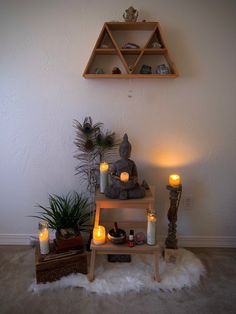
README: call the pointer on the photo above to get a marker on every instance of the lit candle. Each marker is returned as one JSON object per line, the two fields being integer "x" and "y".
{"x": 103, "y": 176}
{"x": 151, "y": 228}
{"x": 124, "y": 177}
{"x": 44, "y": 241}
{"x": 99, "y": 235}
{"x": 174, "y": 180}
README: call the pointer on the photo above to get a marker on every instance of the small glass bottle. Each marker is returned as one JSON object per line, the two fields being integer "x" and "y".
{"x": 131, "y": 242}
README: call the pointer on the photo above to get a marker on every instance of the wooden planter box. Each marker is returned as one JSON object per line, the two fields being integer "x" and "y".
{"x": 53, "y": 269}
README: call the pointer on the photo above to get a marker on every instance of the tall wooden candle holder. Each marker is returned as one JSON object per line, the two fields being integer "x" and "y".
{"x": 175, "y": 196}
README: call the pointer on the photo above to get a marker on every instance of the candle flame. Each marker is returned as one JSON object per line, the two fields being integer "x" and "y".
{"x": 104, "y": 166}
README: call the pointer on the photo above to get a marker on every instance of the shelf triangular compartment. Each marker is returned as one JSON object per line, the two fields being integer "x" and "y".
{"x": 131, "y": 58}
{"x": 105, "y": 41}
{"x": 155, "y": 62}
{"x": 110, "y": 51}
{"x": 156, "y": 40}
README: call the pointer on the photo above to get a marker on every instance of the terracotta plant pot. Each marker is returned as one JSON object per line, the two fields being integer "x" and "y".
{"x": 75, "y": 243}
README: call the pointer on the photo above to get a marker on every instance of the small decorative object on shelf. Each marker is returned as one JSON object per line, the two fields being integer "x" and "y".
{"x": 99, "y": 235}
{"x": 99, "y": 71}
{"x": 162, "y": 69}
{"x": 103, "y": 176}
{"x": 156, "y": 44}
{"x": 131, "y": 242}
{"x": 116, "y": 70}
{"x": 131, "y": 46}
{"x": 151, "y": 228}
{"x": 146, "y": 69}
{"x": 117, "y": 235}
{"x": 130, "y": 15}
{"x": 140, "y": 238}
{"x": 43, "y": 237}
{"x": 175, "y": 189}
{"x": 104, "y": 46}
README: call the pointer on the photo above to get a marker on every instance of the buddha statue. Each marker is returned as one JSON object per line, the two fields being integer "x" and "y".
{"x": 124, "y": 176}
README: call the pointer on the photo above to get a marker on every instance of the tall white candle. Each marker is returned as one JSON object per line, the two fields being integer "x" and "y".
{"x": 44, "y": 241}
{"x": 103, "y": 176}
{"x": 151, "y": 229}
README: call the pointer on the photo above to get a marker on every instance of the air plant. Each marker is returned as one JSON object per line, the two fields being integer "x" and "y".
{"x": 68, "y": 214}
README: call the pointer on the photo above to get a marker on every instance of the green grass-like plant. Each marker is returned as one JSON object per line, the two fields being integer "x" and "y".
{"x": 66, "y": 212}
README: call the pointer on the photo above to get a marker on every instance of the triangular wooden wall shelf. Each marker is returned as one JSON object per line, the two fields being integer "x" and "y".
{"x": 109, "y": 51}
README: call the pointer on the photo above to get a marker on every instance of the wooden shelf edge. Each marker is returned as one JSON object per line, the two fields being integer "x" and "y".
{"x": 129, "y": 76}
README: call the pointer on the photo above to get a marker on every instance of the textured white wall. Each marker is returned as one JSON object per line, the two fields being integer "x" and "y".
{"x": 186, "y": 125}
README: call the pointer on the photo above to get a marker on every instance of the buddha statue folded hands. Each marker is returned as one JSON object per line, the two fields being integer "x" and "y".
{"x": 124, "y": 176}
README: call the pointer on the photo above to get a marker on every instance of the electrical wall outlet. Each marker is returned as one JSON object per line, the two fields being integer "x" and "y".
{"x": 187, "y": 202}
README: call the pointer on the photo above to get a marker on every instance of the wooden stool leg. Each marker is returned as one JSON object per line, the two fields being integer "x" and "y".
{"x": 92, "y": 264}
{"x": 156, "y": 267}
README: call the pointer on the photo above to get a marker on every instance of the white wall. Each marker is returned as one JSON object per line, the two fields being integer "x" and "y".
{"x": 186, "y": 125}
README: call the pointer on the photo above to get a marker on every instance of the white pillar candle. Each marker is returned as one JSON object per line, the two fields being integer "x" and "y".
{"x": 151, "y": 229}
{"x": 44, "y": 241}
{"x": 103, "y": 176}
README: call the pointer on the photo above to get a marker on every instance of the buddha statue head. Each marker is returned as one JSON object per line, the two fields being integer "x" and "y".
{"x": 125, "y": 147}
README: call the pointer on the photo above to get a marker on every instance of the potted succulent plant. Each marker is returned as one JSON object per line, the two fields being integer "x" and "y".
{"x": 68, "y": 216}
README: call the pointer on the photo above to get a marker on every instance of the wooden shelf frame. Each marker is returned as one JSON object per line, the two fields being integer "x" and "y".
{"x": 146, "y": 203}
{"x": 121, "y": 53}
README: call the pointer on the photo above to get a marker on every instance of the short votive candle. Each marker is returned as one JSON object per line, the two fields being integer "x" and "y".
{"x": 174, "y": 180}
{"x": 124, "y": 177}
{"x": 99, "y": 235}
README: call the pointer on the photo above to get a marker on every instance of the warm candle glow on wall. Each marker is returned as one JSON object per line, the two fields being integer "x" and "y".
{"x": 99, "y": 235}
{"x": 124, "y": 176}
{"x": 174, "y": 180}
{"x": 173, "y": 153}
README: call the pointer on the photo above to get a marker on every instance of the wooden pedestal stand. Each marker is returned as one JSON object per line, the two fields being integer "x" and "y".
{"x": 171, "y": 252}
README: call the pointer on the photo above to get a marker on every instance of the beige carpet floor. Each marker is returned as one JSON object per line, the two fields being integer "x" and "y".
{"x": 215, "y": 294}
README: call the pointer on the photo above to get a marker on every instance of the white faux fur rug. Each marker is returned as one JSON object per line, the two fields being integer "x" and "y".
{"x": 119, "y": 278}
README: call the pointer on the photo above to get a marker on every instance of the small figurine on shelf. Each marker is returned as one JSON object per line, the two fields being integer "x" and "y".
{"x": 116, "y": 70}
{"x": 162, "y": 69}
{"x": 130, "y": 15}
{"x": 156, "y": 44}
{"x": 99, "y": 71}
{"x": 146, "y": 69}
